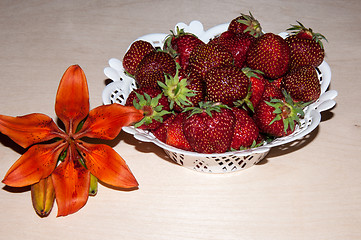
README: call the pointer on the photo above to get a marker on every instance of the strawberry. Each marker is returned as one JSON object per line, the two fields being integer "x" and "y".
{"x": 154, "y": 105}
{"x": 236, "y": 44}
{"x": 180, "y": 45}
{"x": 135, "y": 54}
{"x": 278, "y": 117}
{"x": 245, "y": 24}
{"x": 276, "y": 82}
{"x": 270, "y": 54}
{"x": 161, "y": 131}
{"x": 175, "y": 136}
{"x": 306, "y": 46}
{"x": 257, "y": 88}
{"x": 209, "y": 127}
{"x": 196, "y": 84}
{"x": 272, "y": 89}
{"x": 246, "y": 131}
{"x": 153, "y": 67}
{"x": 226, "y": 84}
{"x": 183, "y": 90}
{"x": 207, "y": 56}
{"x": 302, "y": 84}
{"x": 255, "y": 91}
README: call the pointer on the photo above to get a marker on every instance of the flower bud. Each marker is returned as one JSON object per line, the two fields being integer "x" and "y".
{"x": 93, "y": 186}
{"x": 43, "y": 195}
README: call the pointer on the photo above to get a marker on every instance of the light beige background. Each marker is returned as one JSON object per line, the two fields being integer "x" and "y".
{"x": 308, "y": 191}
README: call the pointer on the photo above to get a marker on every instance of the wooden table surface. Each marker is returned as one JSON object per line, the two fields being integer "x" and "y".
{"x": 310, "y": 191}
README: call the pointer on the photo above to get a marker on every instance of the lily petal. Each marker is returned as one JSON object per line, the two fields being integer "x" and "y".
{"x": 72, "y": 99}
{"x": 71, "y": 183}
{"x": 107, "y": 165}
{"x": 105, "y": 122}
{"x": 37, "y": 163}
{"x": 29, "y": 129}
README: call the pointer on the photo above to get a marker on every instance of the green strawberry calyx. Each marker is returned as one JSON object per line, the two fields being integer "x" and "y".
{"x": 151, "y": 109}
{"x": 175, "y": 88}
{"x": 287, "y": 110}
{"x": 307, "y": 33}
{"x": 207, "y": 107}
{"x": 254, "y": 27}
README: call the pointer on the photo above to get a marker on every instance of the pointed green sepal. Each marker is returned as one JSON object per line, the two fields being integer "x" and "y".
{"x": 207, "y": 107}
{"x": 287, "y": 110}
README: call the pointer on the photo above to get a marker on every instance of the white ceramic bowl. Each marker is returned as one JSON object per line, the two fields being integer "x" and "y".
{"x": 118, "y": 91}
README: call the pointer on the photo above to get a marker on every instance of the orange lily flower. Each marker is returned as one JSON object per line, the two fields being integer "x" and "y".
{"x": 62, "y": 161}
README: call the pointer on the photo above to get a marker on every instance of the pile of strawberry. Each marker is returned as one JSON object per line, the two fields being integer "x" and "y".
{"x": 242, "y": 88}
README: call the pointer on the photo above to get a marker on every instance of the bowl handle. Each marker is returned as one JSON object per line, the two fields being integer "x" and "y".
{"x": 325, "y": 101}
{"x": 144, "y": 137}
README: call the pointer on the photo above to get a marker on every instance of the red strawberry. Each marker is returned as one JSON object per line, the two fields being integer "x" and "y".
{"x": 302, "y": 84}
{"x": 197, "y": 85}
{"x": 180, "y": 45}
{"x": 209, "y": 128}
{"x": 213, "y": 40}
{"x": 226, "y": 84}
{"x": 272, "y": 90}
{"x": 161, "y": 131}
{"x": 278, "y": 117}
{"x": 256, "y": 89}
{"x": 276, "y": 82}
{"x": 246, "y": 24}
{"x": 237, "y": 44}
{"x": 306, "y": 47}
{"x": 246, "y": 131}
{"x": 154, "y": 105}
{"x": 207, "y": 56}
{"x": 153, "y": 67}
{"x": 135, "y": 54}
{"x": 270, "y": 54}
{"x": 175, "y": 136}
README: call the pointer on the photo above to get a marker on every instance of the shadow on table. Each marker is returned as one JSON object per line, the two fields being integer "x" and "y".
{"x": 7, "y": 142}
{"x": 145, "y": 147}
{"x": 297, "y": 144}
